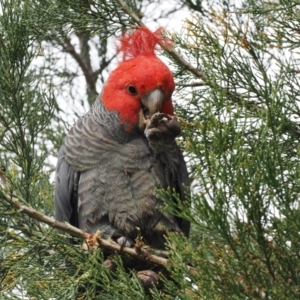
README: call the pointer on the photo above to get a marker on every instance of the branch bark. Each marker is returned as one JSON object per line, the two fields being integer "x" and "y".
{"x": 139, "y": 253}
{"x": 84, "y": 64}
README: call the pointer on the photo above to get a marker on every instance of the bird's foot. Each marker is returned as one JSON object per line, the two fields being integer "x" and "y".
{"x": 160, "y": 128}
{"x": 110, "y": 264}
{"x": 148, "y": 278}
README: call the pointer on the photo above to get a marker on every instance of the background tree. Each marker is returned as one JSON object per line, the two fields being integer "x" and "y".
{"x": 236, "y": 68}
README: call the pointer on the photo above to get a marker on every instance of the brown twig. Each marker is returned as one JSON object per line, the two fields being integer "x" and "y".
{"x": 193, "y": 84}
{"x": 34, "y": 214}
{"x": 141, "y": 254}
{"x": 2, "y": 175}
{"x": 85, "y": 66}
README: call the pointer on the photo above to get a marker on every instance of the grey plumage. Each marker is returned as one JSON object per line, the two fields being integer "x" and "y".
{"x": 117, "y": 174}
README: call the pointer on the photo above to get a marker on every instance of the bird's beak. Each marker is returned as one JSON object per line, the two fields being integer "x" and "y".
{"x": 151, "y": 104}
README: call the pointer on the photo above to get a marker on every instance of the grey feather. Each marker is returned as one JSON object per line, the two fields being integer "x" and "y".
{"x": 66, "y": 181}
{"x": 119, "y": 174}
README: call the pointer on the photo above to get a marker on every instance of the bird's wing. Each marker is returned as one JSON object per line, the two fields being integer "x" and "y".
{"x": 182, "y": 188}
{"x": 175, "y": 169}
{"x": 80, "y": 152}
{"x": 65, "y": 197}
{"x": 86, "y": 148}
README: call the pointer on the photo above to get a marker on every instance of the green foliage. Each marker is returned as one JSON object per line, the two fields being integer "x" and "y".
{"x": 240, "y": 135}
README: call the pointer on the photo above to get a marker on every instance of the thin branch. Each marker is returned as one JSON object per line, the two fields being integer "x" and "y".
{"x": 2, "y": 175}
{"x": 34, "y": 214}
{"x": 104, "y": 64}
{"x": 87, "y": 70}
{"x": 92, "y": 239}
{"x": 137, "y": 252}
{"x": 193, "y": 84}
{"x": 85, "y": 56}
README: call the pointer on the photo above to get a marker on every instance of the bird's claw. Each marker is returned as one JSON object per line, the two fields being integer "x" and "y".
{"x": 148, "y": 278}
{"x": 161, "y": 128}
{"x": 110, "y": 264}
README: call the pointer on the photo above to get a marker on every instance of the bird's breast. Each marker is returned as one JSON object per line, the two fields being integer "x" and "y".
{"x": 123, "y": 189}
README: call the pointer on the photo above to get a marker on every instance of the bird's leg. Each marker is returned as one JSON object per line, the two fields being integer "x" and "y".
{"x": 110, "y": 264}
{"x": 139, "y": 240}
{"x": 160, "y": 129}
{"x": 148, "y": 278}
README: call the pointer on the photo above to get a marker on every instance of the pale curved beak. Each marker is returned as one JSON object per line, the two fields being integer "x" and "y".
{"x": 152, "y": 103}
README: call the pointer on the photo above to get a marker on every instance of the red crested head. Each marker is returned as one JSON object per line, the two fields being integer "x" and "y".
{"x": 140, "y": 75}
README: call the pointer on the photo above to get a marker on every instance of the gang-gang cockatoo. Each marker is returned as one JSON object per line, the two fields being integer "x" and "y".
{"x": 115, "y": 158}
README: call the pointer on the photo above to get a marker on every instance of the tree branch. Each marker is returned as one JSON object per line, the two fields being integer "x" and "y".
{"x": 193, "y": 84}
{"x": 34, "y": 214}
{"x": 84, "y": 65}
{"x": 2, "y": 175}
{"x": 139, "y": 253}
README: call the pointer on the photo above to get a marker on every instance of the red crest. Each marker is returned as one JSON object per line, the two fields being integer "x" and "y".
{"x": 142, "y": 41}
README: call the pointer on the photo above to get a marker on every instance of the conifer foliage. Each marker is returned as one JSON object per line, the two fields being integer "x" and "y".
{"x": 236, "y": 69}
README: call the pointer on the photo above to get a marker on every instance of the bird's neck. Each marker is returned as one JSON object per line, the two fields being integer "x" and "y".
{"x": 111, "y": 121}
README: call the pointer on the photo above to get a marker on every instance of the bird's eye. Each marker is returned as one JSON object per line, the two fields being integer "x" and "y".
{"x": 132, "y": 90}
